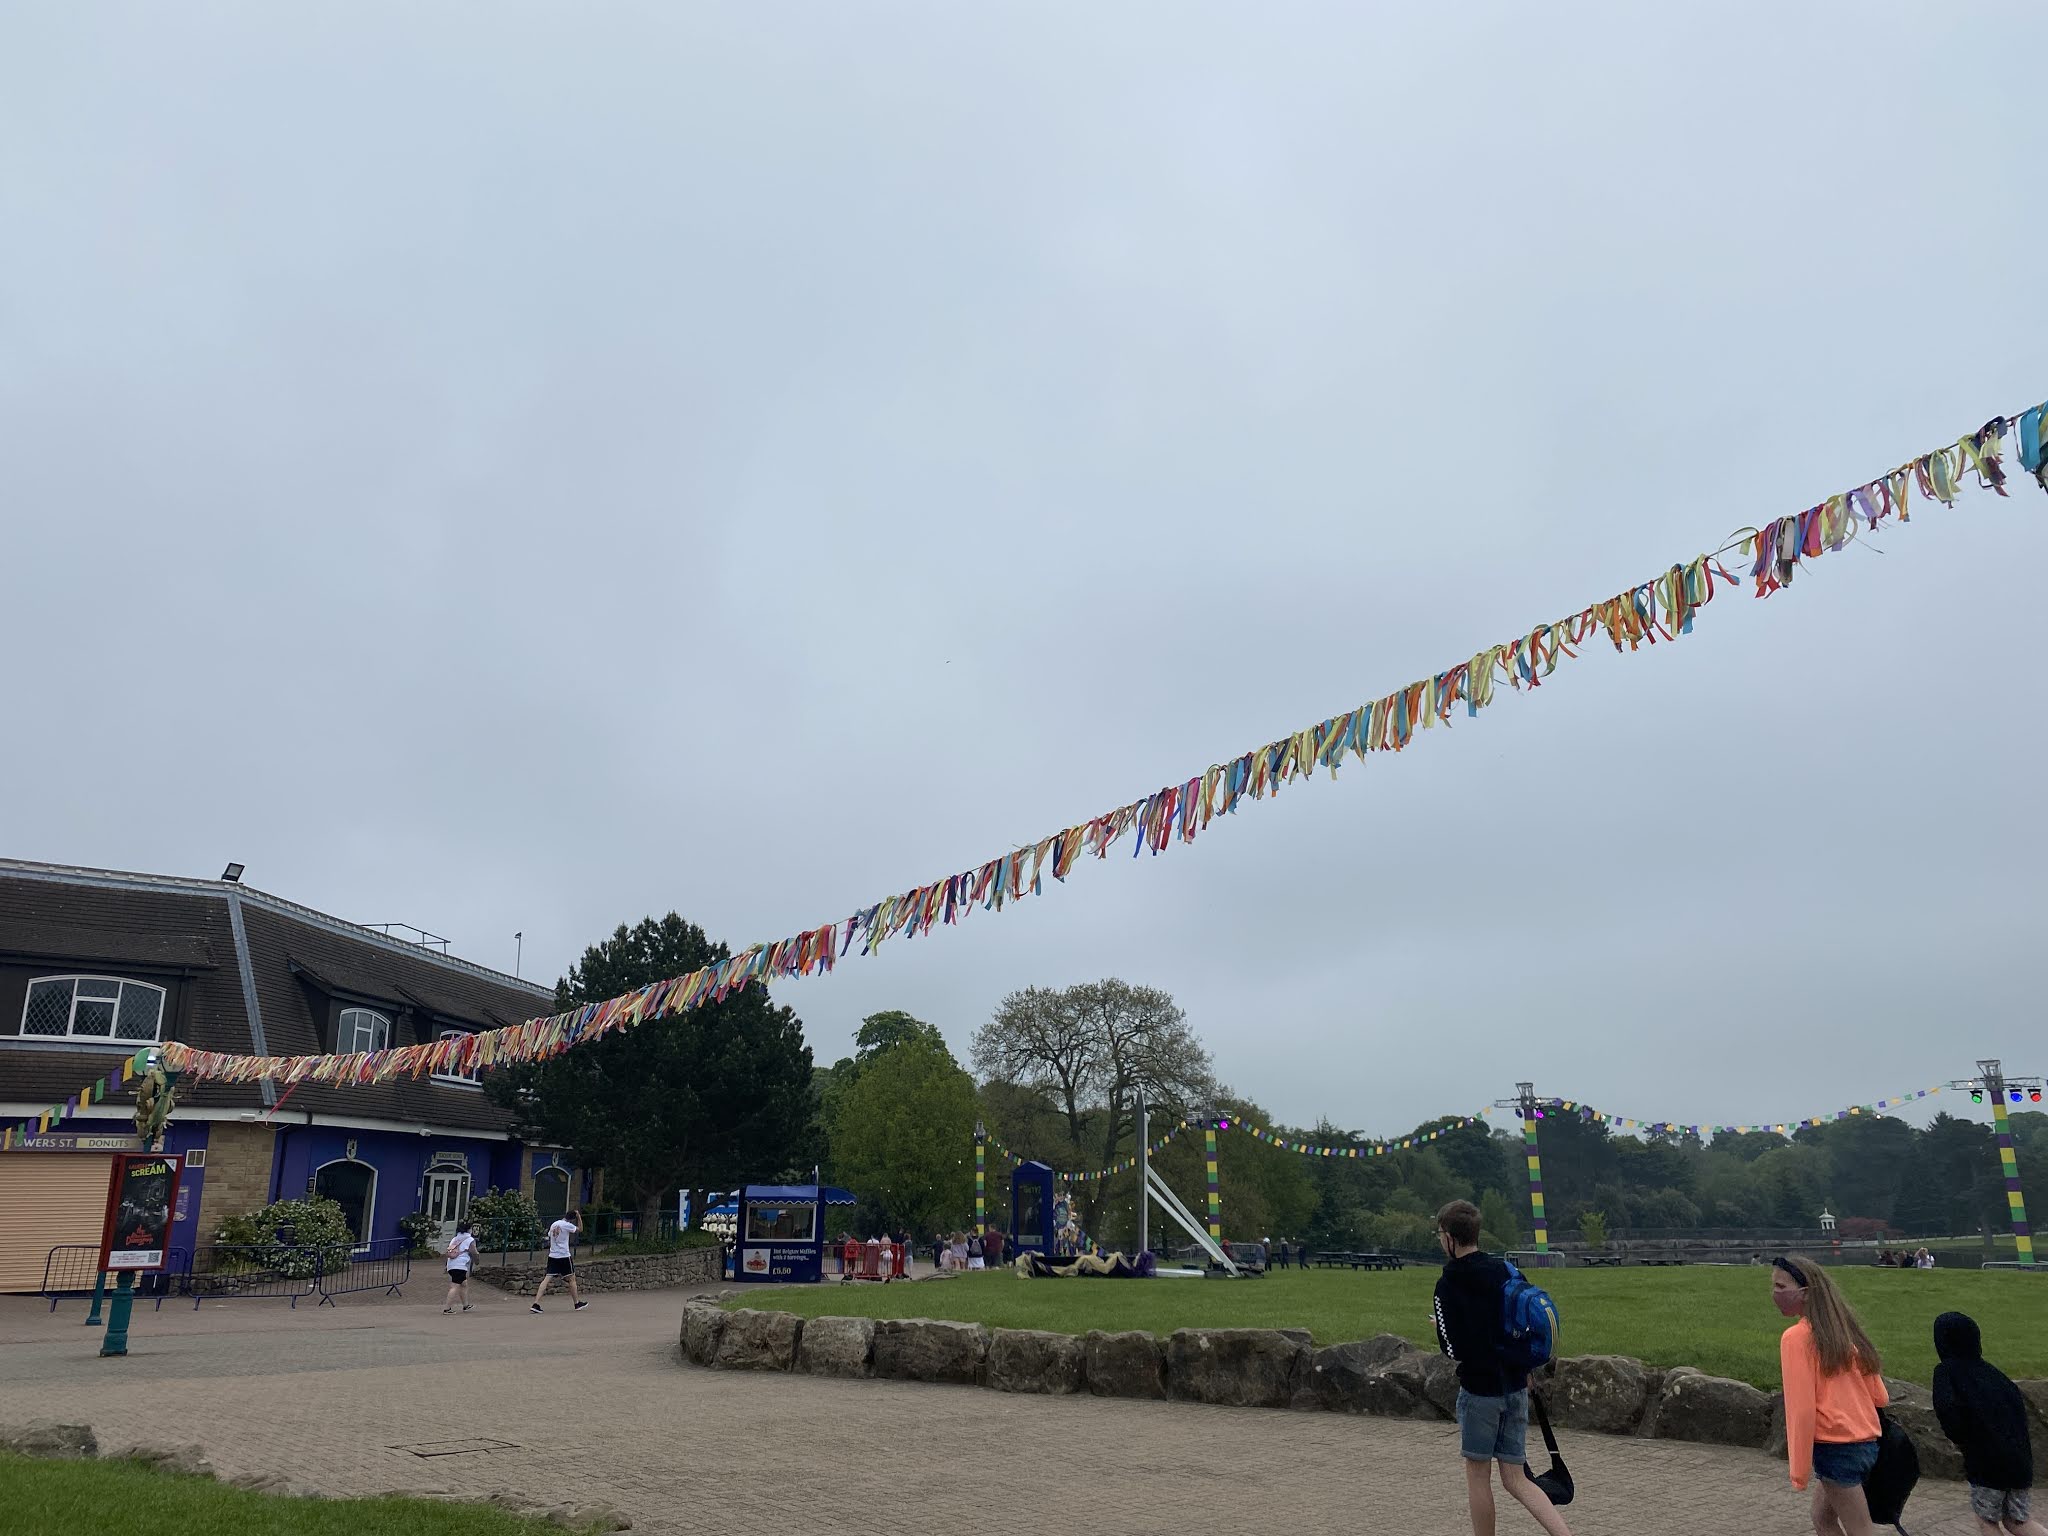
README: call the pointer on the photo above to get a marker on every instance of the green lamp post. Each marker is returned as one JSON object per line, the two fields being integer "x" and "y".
{"x": 154, "y": 1096}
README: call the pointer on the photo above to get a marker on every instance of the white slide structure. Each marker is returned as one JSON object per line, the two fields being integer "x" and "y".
{"x": 1170, "y": 1202}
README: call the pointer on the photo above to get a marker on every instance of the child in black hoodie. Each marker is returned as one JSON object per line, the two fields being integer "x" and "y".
{"x": 1983, "y": 1413}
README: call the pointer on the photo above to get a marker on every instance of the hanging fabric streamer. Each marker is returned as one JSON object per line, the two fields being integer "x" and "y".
{"x": 1658, "y": 610}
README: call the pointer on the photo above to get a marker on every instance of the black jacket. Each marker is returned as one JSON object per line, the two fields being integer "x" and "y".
{"x": 1979, "y": 1408}
{"x": 1468, "y": 1318}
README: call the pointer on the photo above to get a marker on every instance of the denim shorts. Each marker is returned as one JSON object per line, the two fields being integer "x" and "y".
{"x": 1493, "y": 1428}
{"x": 1845, "y": 1464}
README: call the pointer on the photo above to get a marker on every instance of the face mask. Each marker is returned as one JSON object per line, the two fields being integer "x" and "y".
{"x": 1789, "y": 1301}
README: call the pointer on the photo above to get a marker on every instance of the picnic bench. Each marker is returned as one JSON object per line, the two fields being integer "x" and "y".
{"x": 1601, "y": 1260}
{"x": 1337, "y": 1260}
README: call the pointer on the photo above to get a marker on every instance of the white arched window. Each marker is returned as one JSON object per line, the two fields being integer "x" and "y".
{"x": 92, "y": 1008}
{"x": 361, "y": 1029}
{"x": 455, "y": 1074}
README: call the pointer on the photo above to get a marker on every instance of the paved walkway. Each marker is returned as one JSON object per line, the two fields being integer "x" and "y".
{"x": 595, "y": 1405}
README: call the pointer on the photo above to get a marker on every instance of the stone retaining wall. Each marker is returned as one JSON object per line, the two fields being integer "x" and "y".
{"x": 630, "y": 1272}
{"x": 1280, "y": 1368}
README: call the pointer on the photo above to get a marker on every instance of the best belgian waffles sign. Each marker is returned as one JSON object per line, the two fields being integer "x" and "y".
{"x": 141, "y": 1197}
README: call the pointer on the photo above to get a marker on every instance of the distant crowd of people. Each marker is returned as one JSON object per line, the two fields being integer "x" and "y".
{"x": 967, "y": 1250}
{"x": 886, "y": 1257}
{"x": 1889, "y": 1258}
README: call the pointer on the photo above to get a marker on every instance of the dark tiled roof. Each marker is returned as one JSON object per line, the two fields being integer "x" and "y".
{"x": 173, "y": 924}
{"x": 44, "y": 940}
{"x": 154, "y": 927}
{"x": 336, "y": 962}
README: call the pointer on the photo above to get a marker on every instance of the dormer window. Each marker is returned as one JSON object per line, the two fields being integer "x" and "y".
{"x": 361, "y": 1030}
{"x": 456, "y": 1074}
{"x": 103, "y": 1008}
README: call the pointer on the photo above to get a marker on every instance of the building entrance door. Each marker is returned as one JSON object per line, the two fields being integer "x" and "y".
{"x": 447, "y": 1198}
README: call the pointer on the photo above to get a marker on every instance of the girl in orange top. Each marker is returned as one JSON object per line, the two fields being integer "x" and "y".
{"x": 1833, "y": 1390}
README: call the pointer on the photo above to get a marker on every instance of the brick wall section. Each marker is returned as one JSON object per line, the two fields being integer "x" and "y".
{"x": 237, "y": 1173}
{"x": 638, "y": 1272}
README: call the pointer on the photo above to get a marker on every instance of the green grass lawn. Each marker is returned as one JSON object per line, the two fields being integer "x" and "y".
{"x": 1720, "y": 1320}
{"x": 118, "y": 1498}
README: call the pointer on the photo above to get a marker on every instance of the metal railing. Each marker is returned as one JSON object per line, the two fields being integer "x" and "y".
{"x": 255, "y": 1272}
{"x": 284, "y": 1271}
{"x": 384, "y": 1265}
{"x": 73, "y": 1270}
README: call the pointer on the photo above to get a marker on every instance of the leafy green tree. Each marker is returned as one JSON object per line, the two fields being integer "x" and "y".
{"x": 1593, "y": 1228}
{"x": 903, "y": 1136}
{"x": 880, "y": 1032}
{"x": 1960, "y": 1157}
{"x": 1501, "y": 1219}
{"x": 712, "y": 1097}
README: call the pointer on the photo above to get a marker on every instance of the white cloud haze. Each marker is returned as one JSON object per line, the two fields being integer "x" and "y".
{"x": 525, "y": 467}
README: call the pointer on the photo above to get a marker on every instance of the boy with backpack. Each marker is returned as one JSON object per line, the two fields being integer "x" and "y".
{"x": 1472, "y": 1299}
{"x": 1983, "y": 1413}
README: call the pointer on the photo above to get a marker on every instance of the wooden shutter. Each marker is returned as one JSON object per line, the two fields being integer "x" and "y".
{"x": 47, "y": 1198}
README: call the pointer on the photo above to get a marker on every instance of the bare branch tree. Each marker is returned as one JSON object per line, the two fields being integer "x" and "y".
{"x": 1038, "y": 1038}
{"x": 1098, "y": 1050}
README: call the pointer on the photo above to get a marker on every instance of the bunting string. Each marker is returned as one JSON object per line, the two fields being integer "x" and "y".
{"x": 1348, "y": 1149}
{"x": 1586, "y": 1112}
{"x": 1659, "y": 609}
{"x": 1121, "y": 1165}
{"x": 19, "y": 1133}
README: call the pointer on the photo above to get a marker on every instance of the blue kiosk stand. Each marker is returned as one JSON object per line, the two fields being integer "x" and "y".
{"x": 1031, "y": 1209}
{"x": 779, "y": 1231}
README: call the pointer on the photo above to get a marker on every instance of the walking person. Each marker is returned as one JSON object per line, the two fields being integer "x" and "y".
{"x": 1493, "y": 1398}
{"x": 461, "y": 1255}
{"x": 561, "y": 1245}
{"x": 977, "y": 1255}
{"x": 1833, "y": 1389}
{"x": 1983, "y": 1413}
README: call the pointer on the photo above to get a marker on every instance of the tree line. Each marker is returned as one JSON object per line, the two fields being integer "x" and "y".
{"x": 729, "y": 1093}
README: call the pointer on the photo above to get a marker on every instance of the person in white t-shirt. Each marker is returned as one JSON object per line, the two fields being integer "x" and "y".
{"x": 561, "y": 1243}
{"x": 461, "y": 1255}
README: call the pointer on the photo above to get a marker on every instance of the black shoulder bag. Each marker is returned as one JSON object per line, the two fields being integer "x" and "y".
{"x": 1557, "y": 1482}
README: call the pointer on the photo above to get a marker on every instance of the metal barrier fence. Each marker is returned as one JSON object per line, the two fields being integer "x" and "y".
{"x": 284, "y": 1271}
{"x": 72, "y": 1269}
{"x": 505, "y": 1241}
{"x": 384, "y": 1265}
{"x": 256, "y": 1272}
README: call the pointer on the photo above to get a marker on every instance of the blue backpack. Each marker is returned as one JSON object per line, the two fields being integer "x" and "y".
{"x": 1528, "y": 1323}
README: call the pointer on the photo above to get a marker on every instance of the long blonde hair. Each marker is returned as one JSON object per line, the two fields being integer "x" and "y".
{"x": 1838, "y": 1338}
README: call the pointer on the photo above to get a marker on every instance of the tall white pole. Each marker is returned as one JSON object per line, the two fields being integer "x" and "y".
{"x": 1144, "y": 1173}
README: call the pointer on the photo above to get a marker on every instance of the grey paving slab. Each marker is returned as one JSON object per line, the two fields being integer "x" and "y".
{"x": 595, "y": 1405}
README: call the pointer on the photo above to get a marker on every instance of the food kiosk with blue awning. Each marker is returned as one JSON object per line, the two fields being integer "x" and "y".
{"x": 780, "y": 1231}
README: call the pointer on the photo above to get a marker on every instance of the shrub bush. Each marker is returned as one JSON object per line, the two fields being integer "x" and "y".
{"x": 320, "y": 1239}
{"x": 506, "y": 1218}
{"x": 422, "y": 1231}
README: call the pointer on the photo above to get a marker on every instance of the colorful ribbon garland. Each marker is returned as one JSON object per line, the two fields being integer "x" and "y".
{"x": 1661, "y": 608}
{"x": 1780, "y": 1127}
{"x": 39, "y": 1125}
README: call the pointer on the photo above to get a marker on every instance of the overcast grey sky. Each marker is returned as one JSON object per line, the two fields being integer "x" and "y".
{"x": 524, "y": 467}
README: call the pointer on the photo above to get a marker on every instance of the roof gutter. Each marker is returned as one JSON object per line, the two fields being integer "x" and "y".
{"x": 249, "y": 1004}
